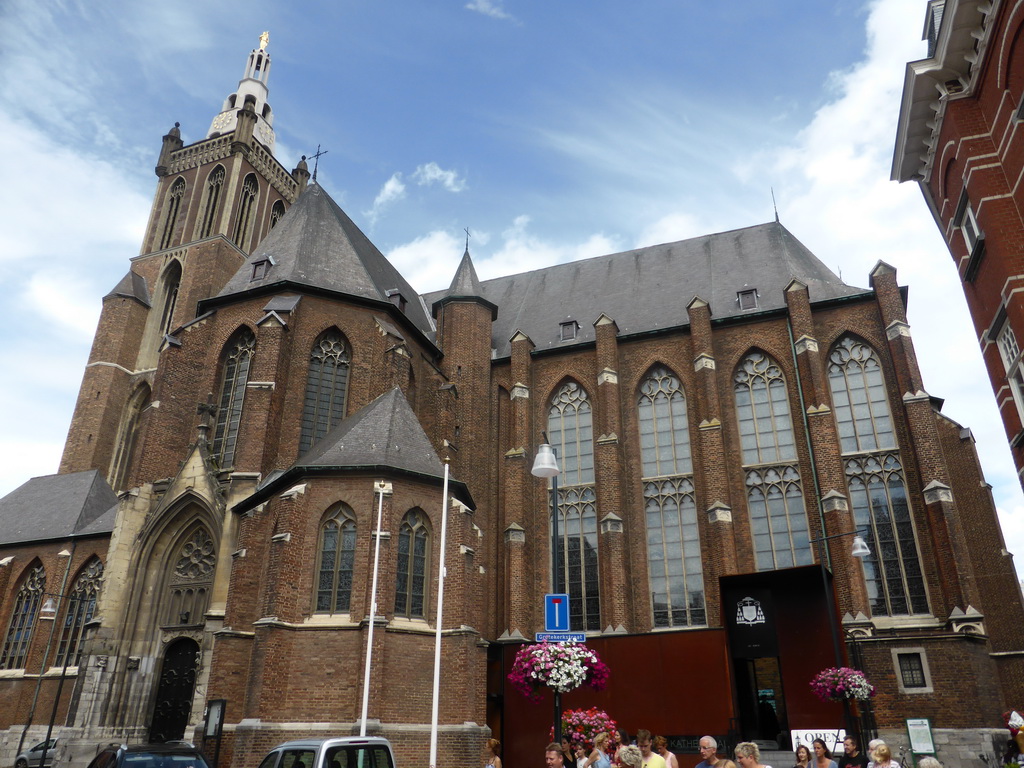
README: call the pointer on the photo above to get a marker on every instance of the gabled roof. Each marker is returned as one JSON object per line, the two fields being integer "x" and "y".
{"x": 316, "y": 244}
{"x": 131, "y": 286}
{"x": 647, "y": 289}
{"x": 384, "y": 436}
{"x": 58, "y": 507}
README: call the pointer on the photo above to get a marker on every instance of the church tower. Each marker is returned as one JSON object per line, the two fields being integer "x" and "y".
{"x": 215, "y": 201}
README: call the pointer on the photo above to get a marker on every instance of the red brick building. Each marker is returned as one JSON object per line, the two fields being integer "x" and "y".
{"x": 262, "y": 386}
{"x": 961, "y": 138}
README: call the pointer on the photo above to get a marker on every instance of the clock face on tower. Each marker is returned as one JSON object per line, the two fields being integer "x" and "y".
{"x": 222, "y": 121}
{"x": 265, "y": 133}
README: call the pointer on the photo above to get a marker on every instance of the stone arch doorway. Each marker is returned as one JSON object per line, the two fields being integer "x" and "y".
{"x": 175, "y": 690}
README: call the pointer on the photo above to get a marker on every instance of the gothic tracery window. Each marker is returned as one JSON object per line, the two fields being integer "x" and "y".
{"x": 214, "y": 187}
{"x": 236, "y": 361}
{"x": 171, "y": 215}
{"x": 875, "y": 478}
{"x": 673, "y": 542}
{"x": 169, "y": 296}
{"x": 412, "y": 566}
{"x": 23, "y": 619}
{"x": 276, "y": 213}
{"x": 326, "y": 388}
{"x": 570, "y": 430}
{"x": 337, "y": 560}
{"x": 81, "y": 605}
{"x": 246, "y": 209}
{"x": 775, "y": 502}
{"x": 191, "y": 578}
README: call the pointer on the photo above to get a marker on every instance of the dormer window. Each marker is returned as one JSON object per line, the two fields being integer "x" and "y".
{"x": 397, "y": 299}
{"x": 569, "y": 330}
{"x": 747, "y": 299}
{"x": 261, "y": 268}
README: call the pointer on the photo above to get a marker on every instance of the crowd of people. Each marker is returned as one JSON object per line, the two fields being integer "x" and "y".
{"x": 653, "y": 752}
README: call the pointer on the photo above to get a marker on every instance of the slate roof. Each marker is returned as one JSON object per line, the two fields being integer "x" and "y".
{"x": 648, "y": 288}
{"x": 316, "y": 244}
{"x": 383, "y": 436}
{"x": 465, "y": 285}
{"x": 58, "y": 507}
{"x": 131, "y": 286}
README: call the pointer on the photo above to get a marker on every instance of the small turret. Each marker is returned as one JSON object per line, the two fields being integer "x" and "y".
{"x": 172, "y": 142}
{"x": 251, "y": 94}
{"x": 301, "y": 173}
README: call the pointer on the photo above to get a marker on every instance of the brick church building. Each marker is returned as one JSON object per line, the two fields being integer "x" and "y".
{"x": 263, "y": 381}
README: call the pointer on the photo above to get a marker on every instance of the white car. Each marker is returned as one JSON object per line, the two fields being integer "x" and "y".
{"x": 33, "y": 756}
{"x": 338, "y": 752}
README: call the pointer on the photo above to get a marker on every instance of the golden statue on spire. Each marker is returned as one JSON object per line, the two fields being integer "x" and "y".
{"x": 264, "y": 39}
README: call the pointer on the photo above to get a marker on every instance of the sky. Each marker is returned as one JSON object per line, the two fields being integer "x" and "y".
{"x": 552, "y": 131}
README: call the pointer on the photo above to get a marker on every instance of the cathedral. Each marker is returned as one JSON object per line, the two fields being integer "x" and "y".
{"x": 729, "y": 418}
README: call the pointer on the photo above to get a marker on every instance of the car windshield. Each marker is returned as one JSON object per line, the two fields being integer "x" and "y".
{"x": 158, "y": 760}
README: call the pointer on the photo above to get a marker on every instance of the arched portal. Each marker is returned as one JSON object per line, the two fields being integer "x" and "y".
{"x": 175, "y": 690}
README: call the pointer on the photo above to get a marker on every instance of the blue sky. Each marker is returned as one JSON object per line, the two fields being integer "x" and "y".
{"x": 554, "y": 131}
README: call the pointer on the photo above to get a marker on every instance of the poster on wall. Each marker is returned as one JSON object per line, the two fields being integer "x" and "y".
{"x": 833, "y": 738}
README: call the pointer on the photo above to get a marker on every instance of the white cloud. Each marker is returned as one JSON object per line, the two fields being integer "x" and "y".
{"x": 393, "y": 189}
{"x": 432, "y": 173}
{"x": 490, "y": 8}
{"x": 429, "y": 262}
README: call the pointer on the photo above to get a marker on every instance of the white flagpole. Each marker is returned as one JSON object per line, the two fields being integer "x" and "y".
{"x": 440, "y": 614}
{"x": 373, "y": 610}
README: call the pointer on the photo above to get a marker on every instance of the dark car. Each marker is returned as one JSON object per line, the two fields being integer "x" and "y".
{"x": 175, "y": 754}
{"x": 33, "y": 756}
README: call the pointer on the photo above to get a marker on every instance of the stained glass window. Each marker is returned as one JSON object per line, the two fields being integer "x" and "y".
{"x": 413, "y": 552}
{"x": 23, "y": 619}
{"x": 237, "y": 358}
{"x": 326, "y": 388}
{"x": 337, "y": 559}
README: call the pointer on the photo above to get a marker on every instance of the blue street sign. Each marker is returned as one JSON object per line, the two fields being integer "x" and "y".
{"x": 556, "y": 613}
{"x": 561, "y": 637}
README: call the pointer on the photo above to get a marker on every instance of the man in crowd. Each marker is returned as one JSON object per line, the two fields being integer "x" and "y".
{"x": 651, "y": 759}
{"x": 852, "y": 756}
{"x": 708, "y": 752}
{"x": 553, "y": 755}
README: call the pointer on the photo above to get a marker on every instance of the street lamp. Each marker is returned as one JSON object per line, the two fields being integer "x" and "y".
{"x": 49, "y": 611}
{"x": 546, "y": 465}
{"x": 859, "y": 550}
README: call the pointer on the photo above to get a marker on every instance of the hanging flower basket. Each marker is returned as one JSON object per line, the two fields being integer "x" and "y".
{"x": 562, "y": 667}
{"x": 581, "y": 727}
{"x": 839, "y": 683}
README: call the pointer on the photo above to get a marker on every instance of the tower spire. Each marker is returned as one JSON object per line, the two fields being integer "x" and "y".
{"x": 251, "y": 94}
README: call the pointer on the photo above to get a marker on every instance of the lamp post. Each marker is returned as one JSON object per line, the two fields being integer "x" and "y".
{"x": 49, "y": 611}
{"x": 546, "y": 465}
{"x": 859, "y": 550}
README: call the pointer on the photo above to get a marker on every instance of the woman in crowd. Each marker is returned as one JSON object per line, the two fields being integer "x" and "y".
{"x": 822, "y": 755}
{"x": 568, "y": 754}
{"x": 748, "y": 755}
{"x": 803, "y": 756}
{"x": 661, "y": 747}
{"x": 493, "y": 745}
{"x": 599, "y": 757}
{"x": 882, "y": 757}
{"x": 629, "y": 757}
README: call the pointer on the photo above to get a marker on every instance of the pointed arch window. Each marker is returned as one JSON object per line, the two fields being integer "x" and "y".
{"x": 81, "y": 605}
{"x": 246, "y": 209}
{"x": 326, "y": 388}
{"x": 570, "y": 429}
{"x": 673, "y": 541}
{"x": 23, "y": 619}
{"x": 171, "y": 215}
{"x": 412, "y": 566}
{"x": 191, "y": 578}
{"x": 775, "y": 501}
{"x": 276, "y": 213}
{"x": 128, "y": 436}
{"x": 876, "y": 480}
{"x": 214, "y": 187}
{"x": 169, "y": 295}
{"x": 337, "y": 561}
{"x": 236, "y": 362}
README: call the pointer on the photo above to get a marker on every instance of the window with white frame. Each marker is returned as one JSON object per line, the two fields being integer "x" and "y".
{"x": 1009, "y": 352}
{"x": 967, "y": 222}
{"x": 912, "y": 672}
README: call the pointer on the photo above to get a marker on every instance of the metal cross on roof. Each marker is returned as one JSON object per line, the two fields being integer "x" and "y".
{"x": 316, "y": 160}
{"x": 467, "y": 238}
